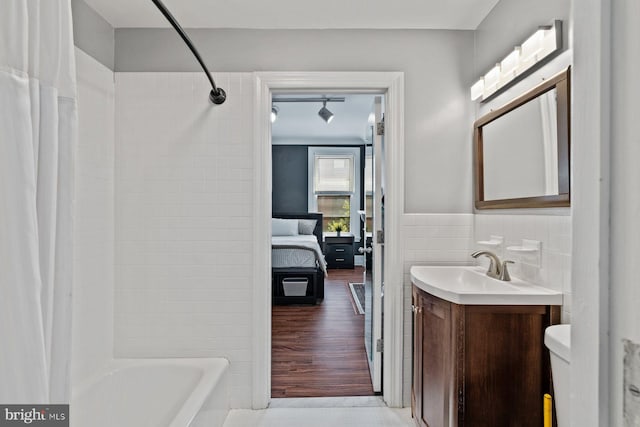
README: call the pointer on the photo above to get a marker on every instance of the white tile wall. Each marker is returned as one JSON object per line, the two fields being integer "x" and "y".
{"x": 430, "y": 239}
{"x": 554, "y": 231}
{"x": 184, "y": 200}
{"x": 92, "y": 325}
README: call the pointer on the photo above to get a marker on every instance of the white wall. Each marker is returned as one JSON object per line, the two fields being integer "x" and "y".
{"x": 625, "y": 199}
{"x": 438, "y": 70}
{"x": 92, "y": 325}
{"x": 184, "y": 220}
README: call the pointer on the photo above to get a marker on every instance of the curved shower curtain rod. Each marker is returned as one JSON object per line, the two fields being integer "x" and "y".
{"x": 217, "y": 94}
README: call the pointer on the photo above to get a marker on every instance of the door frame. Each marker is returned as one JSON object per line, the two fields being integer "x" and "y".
{"x": 392, "y": 85}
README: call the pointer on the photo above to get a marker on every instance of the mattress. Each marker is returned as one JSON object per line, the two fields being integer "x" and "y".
{"x": 290, "y": 256}
{"x": 293, "y": 258}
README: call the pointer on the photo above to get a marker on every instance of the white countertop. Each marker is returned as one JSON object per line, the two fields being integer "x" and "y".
{"x": 471, "y": 286}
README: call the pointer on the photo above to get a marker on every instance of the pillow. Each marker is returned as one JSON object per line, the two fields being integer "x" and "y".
{"x": 284, "y": 227}
{"x": 306, "y": 226}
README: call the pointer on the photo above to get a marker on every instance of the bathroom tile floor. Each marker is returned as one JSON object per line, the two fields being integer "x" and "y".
{"x": 322, "y": 412}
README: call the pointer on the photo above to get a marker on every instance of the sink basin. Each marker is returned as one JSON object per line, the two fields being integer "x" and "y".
{"x": 470, "y": 285}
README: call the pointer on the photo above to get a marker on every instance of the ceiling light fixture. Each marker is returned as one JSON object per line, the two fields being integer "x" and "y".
{"x": 521, "y": 61}
{"x": 274, "y": 113}
{"x": 324, "y": 112}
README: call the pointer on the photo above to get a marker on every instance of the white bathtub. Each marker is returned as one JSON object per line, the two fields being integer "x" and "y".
{"x": 153, "y": 393}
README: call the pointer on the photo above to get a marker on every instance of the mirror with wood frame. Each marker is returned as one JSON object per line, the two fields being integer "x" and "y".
{"x": 522, "y": 150}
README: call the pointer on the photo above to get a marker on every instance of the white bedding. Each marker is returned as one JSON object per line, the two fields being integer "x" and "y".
{"x": 284, "y": 257}
{"x": 297, "y": 251}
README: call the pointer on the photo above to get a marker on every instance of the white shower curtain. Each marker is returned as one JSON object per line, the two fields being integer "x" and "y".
{"x": 38, "y": 121}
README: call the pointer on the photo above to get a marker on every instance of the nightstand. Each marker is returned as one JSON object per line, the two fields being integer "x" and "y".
{"x": 338, "y": 251}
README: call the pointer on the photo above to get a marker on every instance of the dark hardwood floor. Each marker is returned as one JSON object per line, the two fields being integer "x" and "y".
{"x": 318, "y": 351}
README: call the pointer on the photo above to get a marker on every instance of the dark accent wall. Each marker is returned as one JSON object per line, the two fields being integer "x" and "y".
{"x": 289, "y": 178}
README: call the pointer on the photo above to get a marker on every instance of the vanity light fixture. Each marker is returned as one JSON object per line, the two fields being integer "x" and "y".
{"x": 274, "y": 113}
{"x": 546, "y": 41}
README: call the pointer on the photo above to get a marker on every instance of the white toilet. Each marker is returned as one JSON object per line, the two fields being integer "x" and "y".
{"x": 557, "y": 338}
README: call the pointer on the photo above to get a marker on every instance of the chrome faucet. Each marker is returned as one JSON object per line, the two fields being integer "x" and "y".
{"x": 497, "y": 270}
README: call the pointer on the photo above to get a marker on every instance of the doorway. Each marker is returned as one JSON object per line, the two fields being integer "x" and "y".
{"x": 392, "y": 85}
{"x": 326, "y": 166}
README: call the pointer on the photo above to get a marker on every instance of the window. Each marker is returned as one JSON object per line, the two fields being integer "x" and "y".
{"x": 334, "y": 186}
{"x": 335, "y": 209}
{"x": 333, "y": 174}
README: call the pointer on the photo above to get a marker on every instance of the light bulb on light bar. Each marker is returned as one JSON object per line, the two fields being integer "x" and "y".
{"x": 509, "y": 65}
{"x": 531, "y": 47}
{"x": 477, "y": 89}
{"x": 491, "y": 80}
{"x": 539, "y": 46}
{"x": 549, "y": 41}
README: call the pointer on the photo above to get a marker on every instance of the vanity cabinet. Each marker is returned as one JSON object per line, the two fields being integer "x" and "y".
{"x": 479, "y": 365}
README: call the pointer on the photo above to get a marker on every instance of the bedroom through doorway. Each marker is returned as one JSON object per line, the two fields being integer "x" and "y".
{"x": 327, "y": 186}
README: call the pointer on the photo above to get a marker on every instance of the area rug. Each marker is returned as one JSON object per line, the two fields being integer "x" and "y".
{"x": 357, "y": 291}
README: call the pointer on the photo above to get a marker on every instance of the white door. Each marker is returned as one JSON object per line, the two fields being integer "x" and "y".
{"x": 373, "y": 272}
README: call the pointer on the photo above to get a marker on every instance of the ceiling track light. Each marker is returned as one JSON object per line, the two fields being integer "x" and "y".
{"x": 310, "y": 99}
{"x": 325, "y": 114}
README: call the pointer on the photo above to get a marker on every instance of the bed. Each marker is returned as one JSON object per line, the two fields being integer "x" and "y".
{"x": 298, "y": 265}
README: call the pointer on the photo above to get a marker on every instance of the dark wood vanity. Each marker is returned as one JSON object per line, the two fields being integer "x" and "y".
{"x": 479, "y": 365}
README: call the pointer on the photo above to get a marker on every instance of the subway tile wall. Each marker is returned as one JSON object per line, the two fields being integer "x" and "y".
{"x": 184, "y": 196}
{"x": 93, "y": 277}
{"x": 554, "y": 233}
{"x": 430, "y": 239}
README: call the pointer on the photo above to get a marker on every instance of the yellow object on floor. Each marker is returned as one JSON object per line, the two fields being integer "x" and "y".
{"x": 546, "y": 405}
